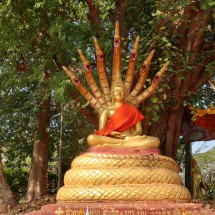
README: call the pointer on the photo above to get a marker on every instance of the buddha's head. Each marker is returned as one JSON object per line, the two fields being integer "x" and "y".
{"x": 118, "y": 90}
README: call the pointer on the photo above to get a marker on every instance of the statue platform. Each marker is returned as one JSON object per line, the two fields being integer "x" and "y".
{"x": 125, "y": 151}
{"x": 112, "y": 174}
{"x": 143, "y": 158}
{"x": 124, "y": 208}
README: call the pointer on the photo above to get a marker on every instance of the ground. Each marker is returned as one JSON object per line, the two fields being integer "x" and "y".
{"x": 51, "y": 199}
{"x": 33, "y": 206}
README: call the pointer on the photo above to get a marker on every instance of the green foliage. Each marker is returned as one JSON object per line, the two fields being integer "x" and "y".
{"x": 75, "y": 130}
{"x": 32, "y": 34}
{"x": 17, "y": 178}
{"x": 203, "y": 97}
{"x": 206, "y": 162}
{"x": 180, "y": 154}
{"x": 38, "y": 37}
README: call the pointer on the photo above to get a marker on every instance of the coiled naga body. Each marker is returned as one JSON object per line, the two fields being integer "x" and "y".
{"x": 121, "y": 164}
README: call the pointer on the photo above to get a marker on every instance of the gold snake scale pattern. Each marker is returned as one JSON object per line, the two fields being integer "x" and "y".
{"x": 113, "y": 177}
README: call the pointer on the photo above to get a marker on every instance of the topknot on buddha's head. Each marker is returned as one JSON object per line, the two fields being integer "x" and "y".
{"x": 118, "y": 82}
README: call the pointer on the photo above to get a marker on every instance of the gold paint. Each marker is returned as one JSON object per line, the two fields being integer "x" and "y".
{"x": 114, "y": 211}
{"x": 81, "y": 212}
{"x": 141, "y": 212}
{"x": 131, "y": 137}
{"x": 176, "y": 212}
{"x": 59, "y": 211}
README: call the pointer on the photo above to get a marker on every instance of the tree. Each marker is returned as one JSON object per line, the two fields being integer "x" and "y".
{"x": 7, "y": 199}
{"x": 206, "y": 162}
{"x": 46, "y": 35}
{"x": 39, "y": 165}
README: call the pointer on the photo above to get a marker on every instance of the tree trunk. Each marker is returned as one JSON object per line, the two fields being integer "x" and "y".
{"x": 121, "y": 16}
{"x": 38, "y": 173}
{"x": 7, "y": 200}
{"x": 173, "y": 131}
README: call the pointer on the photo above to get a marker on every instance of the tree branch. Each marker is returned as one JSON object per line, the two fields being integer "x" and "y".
{"x": 201, "y": 76}
{"x": 196, "y": 33}
{"x": 208, "y": 46}
{"x": 63, "y": 8}
{"x": 188, "y": 13}
{"x": 93, "y": 16}
{"x": 120, "y": 15}
{"x": 87, "y": 111}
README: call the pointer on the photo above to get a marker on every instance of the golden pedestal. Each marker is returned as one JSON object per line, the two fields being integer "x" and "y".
{"x": 115, "y": 174}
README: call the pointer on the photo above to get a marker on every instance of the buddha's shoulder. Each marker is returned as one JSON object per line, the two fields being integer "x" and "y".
{"x": 109, "y": 110}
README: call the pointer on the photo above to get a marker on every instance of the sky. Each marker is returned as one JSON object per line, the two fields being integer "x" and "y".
{"x": 202, "y": 146}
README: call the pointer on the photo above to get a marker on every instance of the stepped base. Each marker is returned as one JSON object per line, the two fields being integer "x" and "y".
{"x": 124, "y": 208}
{"x": 128, "y": 174}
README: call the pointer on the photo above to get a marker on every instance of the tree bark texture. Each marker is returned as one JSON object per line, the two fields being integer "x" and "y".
{"x": 39, "y": 165}
{"x": 7, "y": 200}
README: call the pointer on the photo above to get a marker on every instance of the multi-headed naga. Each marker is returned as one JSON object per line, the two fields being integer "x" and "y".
{"x": 119, "y": 122}
{"x": 100, "y": 99}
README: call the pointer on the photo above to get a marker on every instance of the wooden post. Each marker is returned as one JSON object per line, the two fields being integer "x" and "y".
{"x": 59, "y": 182}
{"x": 188, "y": 167}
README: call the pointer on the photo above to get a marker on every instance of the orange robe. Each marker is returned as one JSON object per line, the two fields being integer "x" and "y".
{"x": 123, "y": 118}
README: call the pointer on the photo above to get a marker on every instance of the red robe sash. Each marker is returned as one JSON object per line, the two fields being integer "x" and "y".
{"x": 123, "y": 118}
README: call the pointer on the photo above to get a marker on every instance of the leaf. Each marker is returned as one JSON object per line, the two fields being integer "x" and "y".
{"x": 204, "y": 5}
{"x": 148, "y": 109}
{"x": 160, "y": 90}
{"x": 149, "y": 123}
{"x": 156, "y": 107}
{"x": 168, "y": 45}
{"x": 211, "y": 105}
{"x": 164, "y": 96}
{"x": 155, "y": 117}
{"x": 154, "y": 99}
{"x": 181, "y": 76}
{"x": 181, "y": 2}
{"x": 151, "y": 22}
{"x": 85, "y": 105}
{"x": 162, "y": 106}
{"x": 192, "y": 108}
{"x": 194, "y": 118}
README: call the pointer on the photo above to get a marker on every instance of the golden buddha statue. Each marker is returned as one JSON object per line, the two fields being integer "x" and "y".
{"x": 121, "y": 164}
{"x": 120, "y": 123}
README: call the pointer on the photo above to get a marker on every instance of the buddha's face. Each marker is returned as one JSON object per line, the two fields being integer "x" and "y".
{"x": 118, "y": 94}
